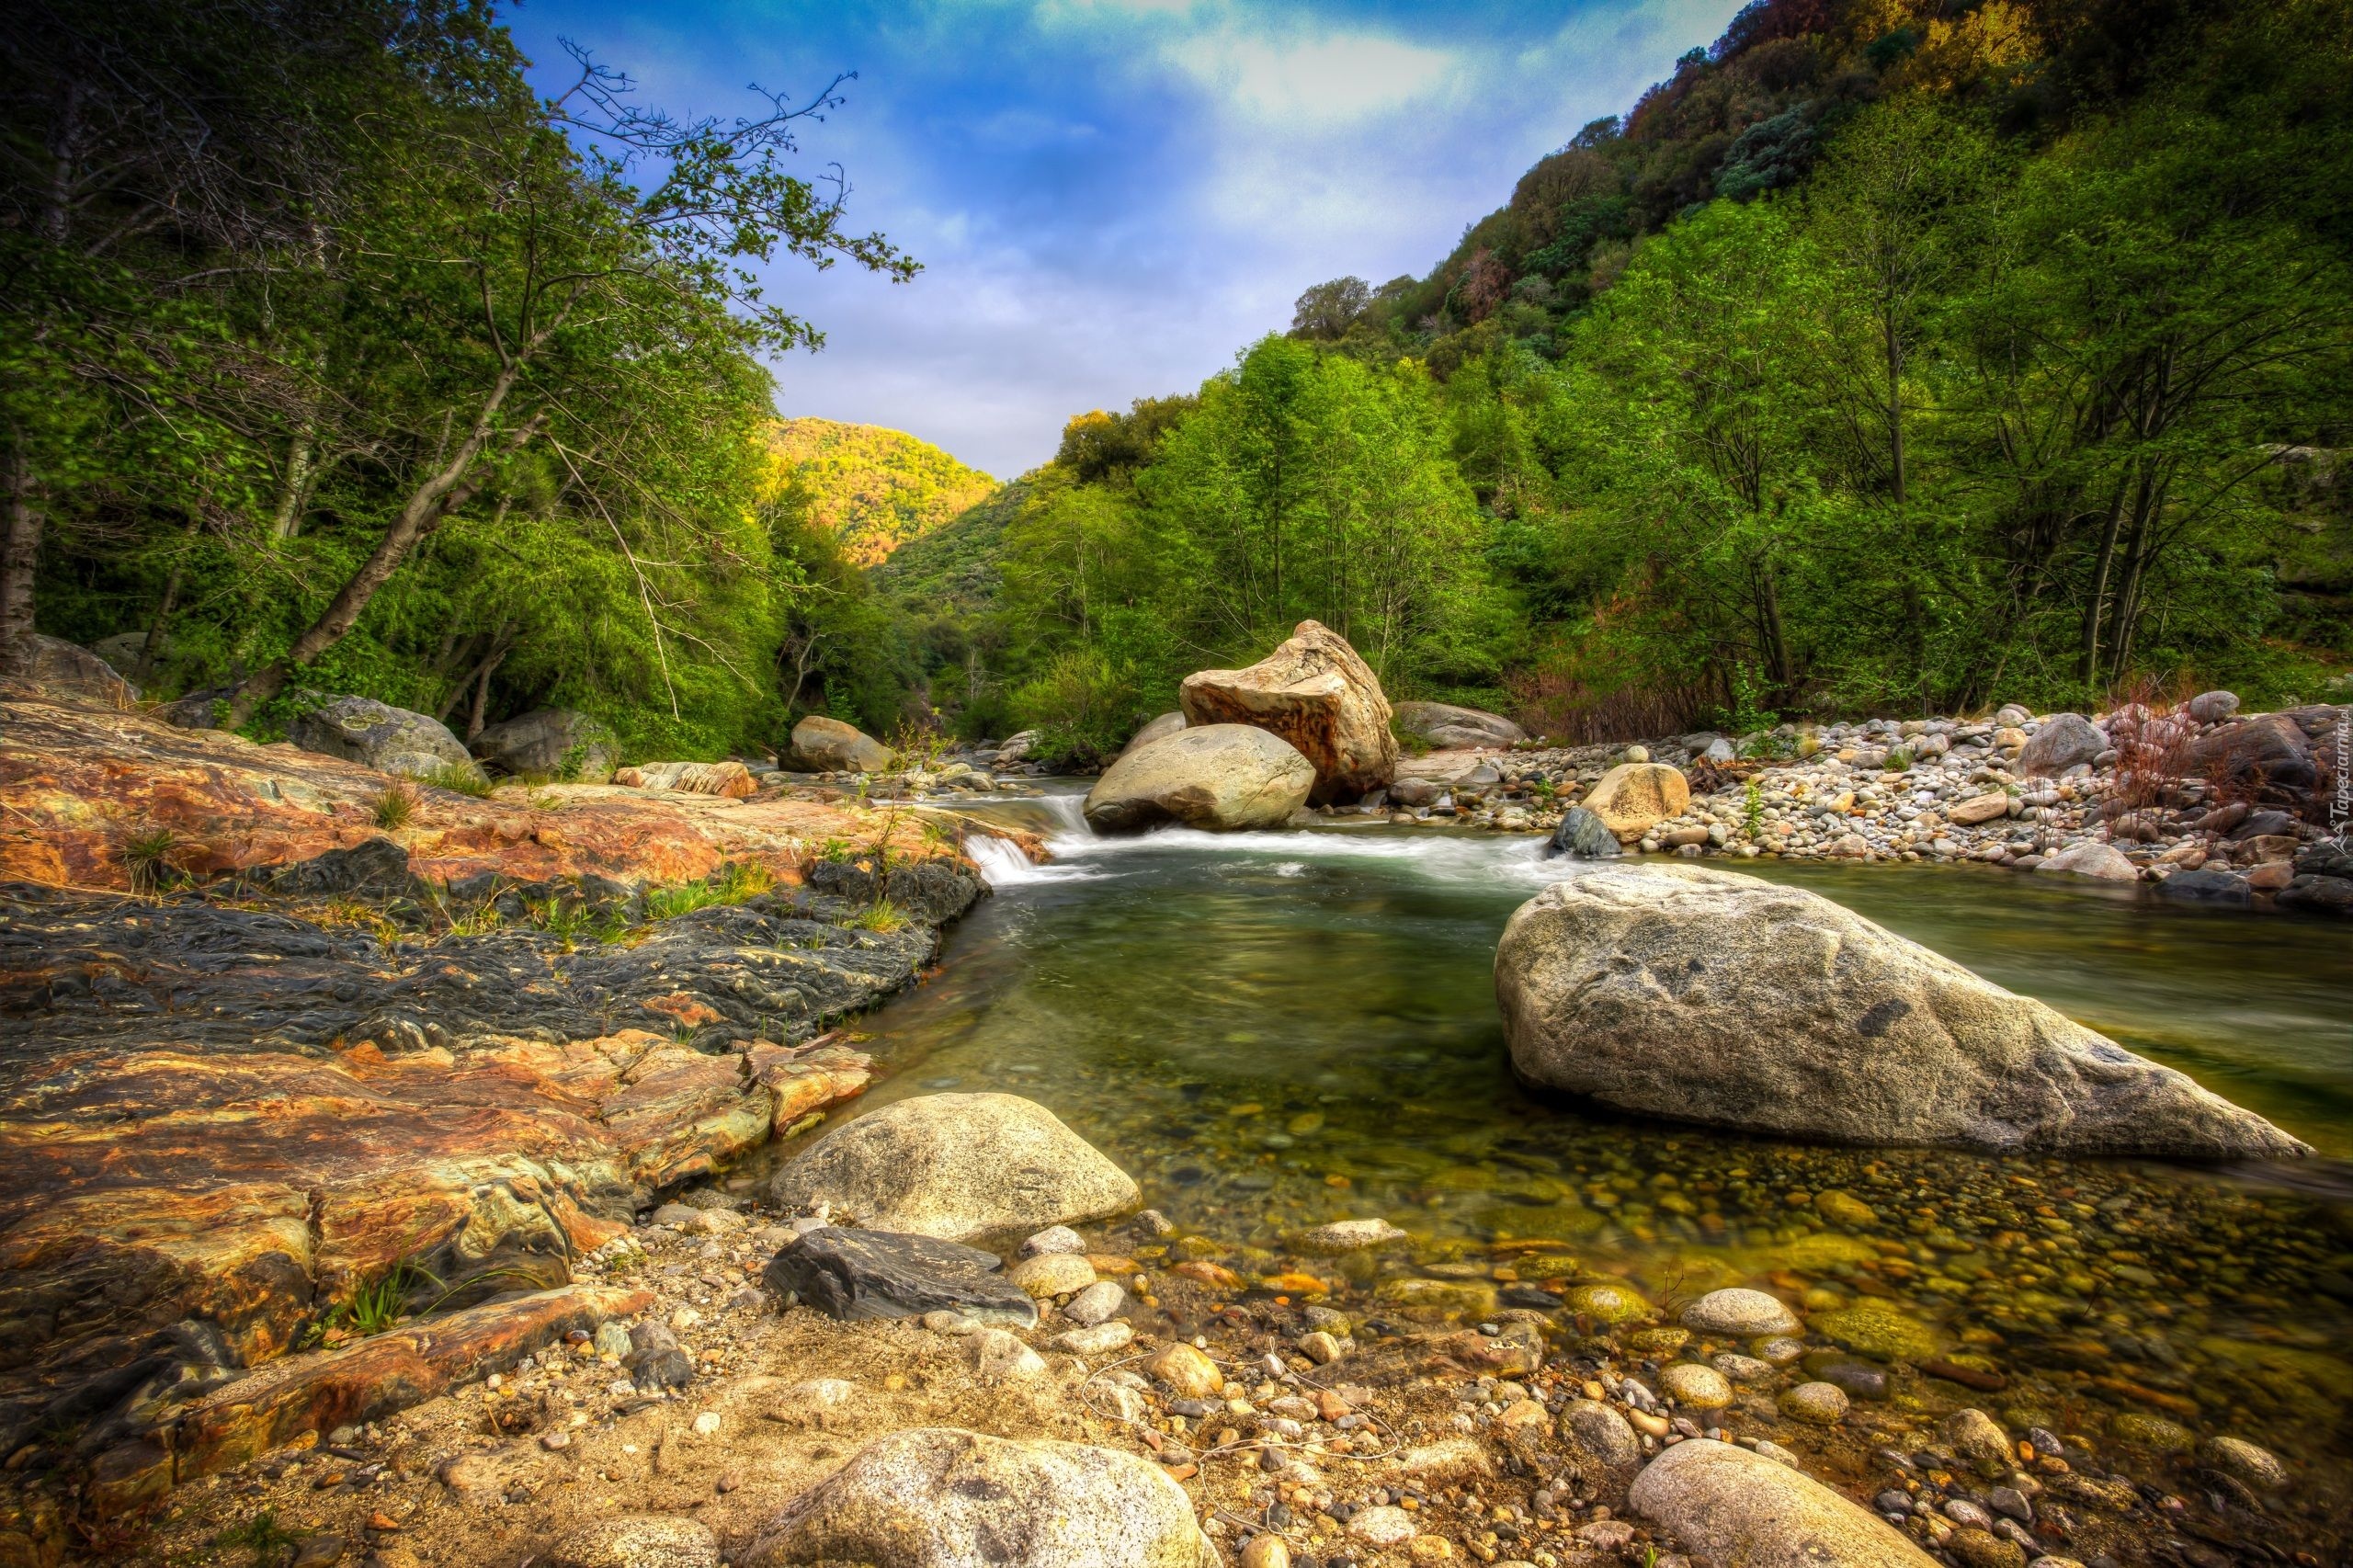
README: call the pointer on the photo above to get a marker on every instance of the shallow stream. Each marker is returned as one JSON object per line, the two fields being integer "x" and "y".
{"x": 1274, "y": 1029}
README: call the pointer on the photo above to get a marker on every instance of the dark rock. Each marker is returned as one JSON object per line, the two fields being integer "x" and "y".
{"x": 1856, "y": 1380}
{"x": 651, "y": 1369}
{"x": 375, "y": 868}
{"x": 2318, "y": 895}
{"x": 2262, "y": 825}
{"x": 2213, "y": 706}
{"x": 649, "y": 1336}
{"x": 1582, "y": 835}
{"x": 934, "y": 891}
{"x": 884, "y": 1274}
{"x": 2271, "y": 749}
{"x": 2205, "y": 887}
{"x": 551, "y": 743}
{"x": 317, "y": 1551}
{"x": 60, "y": 671}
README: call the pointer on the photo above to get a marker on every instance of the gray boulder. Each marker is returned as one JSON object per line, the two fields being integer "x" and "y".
{"x": 2213, "y": 706}
{"x": 1696, "y": 995}
{"x": 2206, "y": 887}
{"x": 1728, "y": 1506}
{"x": 882, "y": 1274}
{"x": 551, "y": 743}
{"x": 2064, "y": 740}
{"x": 2092, "y": 859}
{"x": 828, "y": 746}
{"x": 1583, "y": 836}
{"x": 1226, "y": 778}
{"x": 1444, "y": 724}
{"x": 957, "y": 1167}
{"x": 938, "y": 1497}
{"x": 1159, "y": 729}
{"x": 60, "y": 671}
{"x": 377, "y": 735}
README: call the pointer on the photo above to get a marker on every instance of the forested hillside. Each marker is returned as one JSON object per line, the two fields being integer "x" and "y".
{"x": 872, "y": 489}
{"x": 1891, "y": 355}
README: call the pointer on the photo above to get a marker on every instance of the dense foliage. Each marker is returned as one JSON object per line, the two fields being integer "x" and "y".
{"x": 337, "y": 359}
{"x": 870, "y": 488}
{"x": 1891, "y": 356}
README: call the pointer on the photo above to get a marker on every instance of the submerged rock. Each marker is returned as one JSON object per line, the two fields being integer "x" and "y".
{"x": 1703, "y": 995}
{"x": 884, "y": 1274}
{"x": 937, "y": 1497}
{"x": 1225, "y": 778}
{"x": 1316, "y": 694}
{"x": 1729, "y": 1505}
{"x": 957, "y": 1167}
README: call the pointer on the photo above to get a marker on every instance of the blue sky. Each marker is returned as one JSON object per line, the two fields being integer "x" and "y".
{"x": 1111, "y": 197}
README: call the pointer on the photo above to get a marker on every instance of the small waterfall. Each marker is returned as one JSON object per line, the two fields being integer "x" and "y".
{"x": 1001, "y": 860}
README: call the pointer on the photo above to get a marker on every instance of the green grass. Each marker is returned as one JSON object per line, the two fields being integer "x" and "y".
{"x": 147, "y": 856}
{"x": 393, "y": 808}
{"x": 880, "y": 915}
{"x": 461, "y": 779}
{"x": 732, "y": 883}
{"x": 267, "y": 1540}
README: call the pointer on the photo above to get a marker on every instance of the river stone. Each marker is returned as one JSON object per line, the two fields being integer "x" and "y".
{"x": 2064, "y": 740}
{"x": 1225, "y": 778}
{"x": 1053, "y": 1238}
{"x": 2250, "y": 1462}
{"x": 1602, "y": 1432}
{"x": 820, "y": 745}
{"x": 2153, "y": 1432}
{"x": 1979, "y": 809}
{"x": 2092, "y": 859}
{"x": 1383, "y": 1525}
{"x": 1693, "y": 1386}
{"x": 882, "y": 1274}
{"x": 1884, "y": 1332}
{"x": 1095, "y": 1339}
{"x": 1739, "y": 1314}
{"x": 549, "y": 743}
{"x": 1053, "y": 1274}
{"x": 1635, "y": 797}
{"x": 1729, "y": 1505}
{"x": 1979, "y": 1439}
{"x": 1347, "y": 1235}
{"x": 1159, "y": 729}
{"x": 1315, "y": 693}
{"x": 1583, "y": 836}
{"x": 1095, "y": 1304}
{"x": 1699, "y": 995}
{"x": 1000, "y": 1358}
{"x": 2213, "y": 706}
{"x": 1186, "y": 1370}
{"x": 375, "y": 735}
{"x": 957, "y": 1167}
{"x": 637, "y": 1541}
{"x": 1824, "y": 1404}
{"x": 1609, "y": 1303}
{"x": 1445, "y": 725}
{"x": 938, "y": 1497}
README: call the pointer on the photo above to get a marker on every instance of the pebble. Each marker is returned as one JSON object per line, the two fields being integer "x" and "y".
{"x": 1822, "y": 1404}
{"x": 1979, "y": 1439}
{"x": 1095, "y": 1304}
{"x": 1053, "y": 1239}
{"x": 1100, "y": 1339}
{"x": 1186, "y": 1370}
{"x": 999, "y": 1356}
{"x": 1741, "y": 1369}
{"x": 2249, "y": 1462}
{"x": 1383, "y": 1525}
{"x": 1739, "y": 1314}
{"x": 1053, "y": 1274}
{"x": 1693, "y": 1386}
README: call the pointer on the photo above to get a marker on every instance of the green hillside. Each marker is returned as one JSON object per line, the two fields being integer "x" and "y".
{"x": 874, "y": 489}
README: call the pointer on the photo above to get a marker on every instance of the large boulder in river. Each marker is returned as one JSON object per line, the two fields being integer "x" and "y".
{"x": 1635, "y": 797}
{"x": 957, "y": 1167}
{"x": 1583, "y": 836}
{"x": 1725, "y": 1504}
{"x": 1315, "y": 693}
{"x": 1226, "y": 778}
{"x": 1159, "y": 729}
{"x": 1445, "y": 726}
{"x": 828, "y": 746}
{"x": 1696, "y": 995}
{"x": 938, "y": 1497}
{"x": 2271, "y": 748}
{"x": 549, "y": 743}
{"x": 377, "y": 735}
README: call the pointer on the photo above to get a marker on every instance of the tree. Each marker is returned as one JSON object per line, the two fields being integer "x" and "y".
{"x": 1327, "y": 311}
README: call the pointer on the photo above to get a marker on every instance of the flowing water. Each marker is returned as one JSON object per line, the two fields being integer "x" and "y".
{"x": 1274, "y": 1029}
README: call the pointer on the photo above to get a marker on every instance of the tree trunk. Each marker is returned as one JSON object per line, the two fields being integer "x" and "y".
{"x": 2088, "y": 661}
{"x": 482, "y": 691}
{"x": 450, "y": 487}
{"x": 1894, "y": 402}
{"x": 19, "y": 559}
{"x": 292, "y": 497}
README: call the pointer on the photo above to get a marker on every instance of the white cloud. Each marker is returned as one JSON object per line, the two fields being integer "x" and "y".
{"x": 1312, "y": 83}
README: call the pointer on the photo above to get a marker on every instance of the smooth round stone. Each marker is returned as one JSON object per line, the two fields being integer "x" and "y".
{"x": 1053, "y": 1239}
{"x": 1602, "y": 1432}
{"x": 1741, "y": 1369}
{"x": 1739, "y": 1314}
{"x": 1856, "y": 1380}
{"x": 1780, "y": 1351}
{"x": 2250, "y": 1462}
{"x": 1609, "y": 1303}
{"x": 1700, "y": 1388}
{"x": 1983, "y": 1548}
{"x": 1659, "y": 1341}
{"x": 2153, "y": 1432}
{"x": 1053, "y": 1274}
{"x": 1824, "y": 1404}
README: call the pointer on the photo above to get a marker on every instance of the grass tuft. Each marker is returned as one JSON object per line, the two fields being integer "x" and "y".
{"x": 393, "y": 808}
{"x": 880, "y": 915}
{"x": 461, "y": 778}
{"x": 148, "y": 857}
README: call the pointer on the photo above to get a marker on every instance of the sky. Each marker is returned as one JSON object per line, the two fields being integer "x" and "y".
{"x": 1111, "y": 198}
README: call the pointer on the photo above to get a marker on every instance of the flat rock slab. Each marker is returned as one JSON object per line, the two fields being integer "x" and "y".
{"x": 319, "y": 1391}
{"x": 886, "y": 1274}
